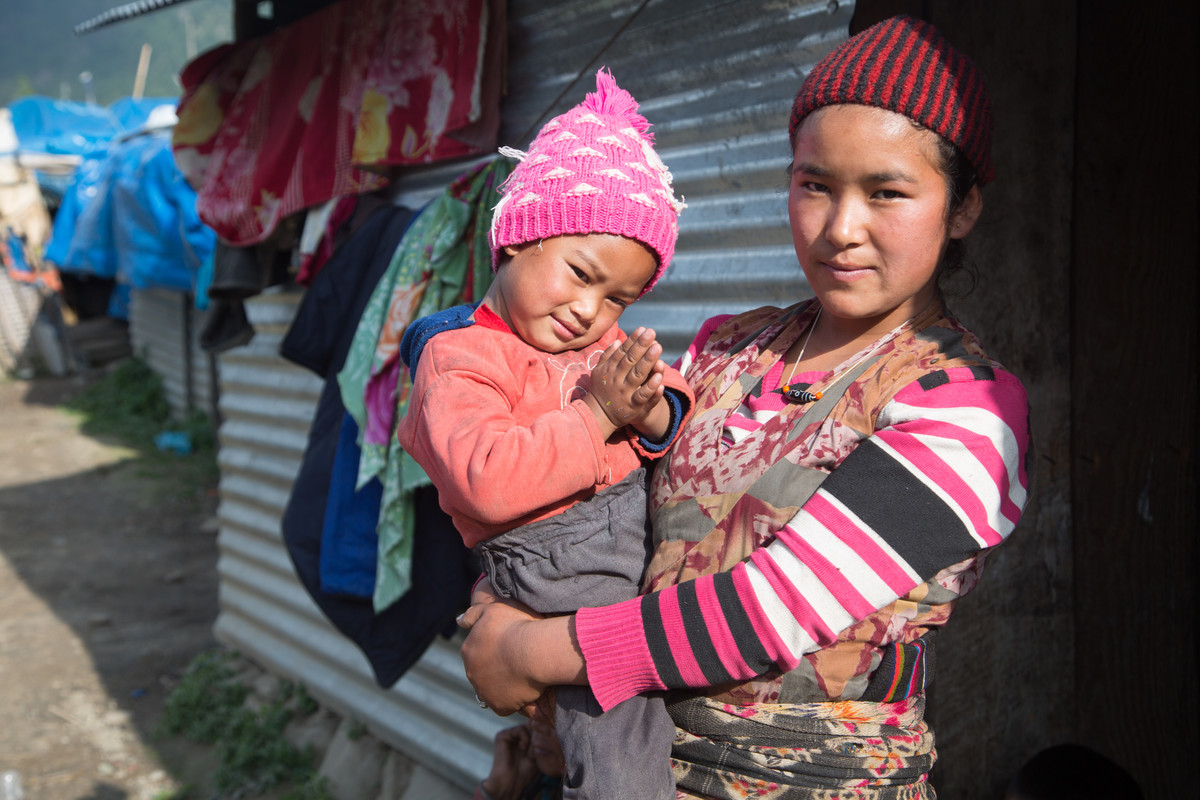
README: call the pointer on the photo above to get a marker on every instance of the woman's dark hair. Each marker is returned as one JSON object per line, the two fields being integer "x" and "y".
{"x": 960, "y": 177}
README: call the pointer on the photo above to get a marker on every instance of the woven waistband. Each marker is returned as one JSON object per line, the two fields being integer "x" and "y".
{"x": 834, "y": 750}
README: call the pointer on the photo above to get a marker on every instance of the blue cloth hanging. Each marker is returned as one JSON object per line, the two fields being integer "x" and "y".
{"x": 349, "y": 543}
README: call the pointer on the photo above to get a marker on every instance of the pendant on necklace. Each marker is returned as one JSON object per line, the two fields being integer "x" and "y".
{"x": 794, "y": 395}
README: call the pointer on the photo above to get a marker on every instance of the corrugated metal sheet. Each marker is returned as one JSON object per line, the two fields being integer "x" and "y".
{"x": 164, "y": 329}
{"x": 267, "y": 405}
{"x": 717, "y": 80}
{"x": 121, "y": 13}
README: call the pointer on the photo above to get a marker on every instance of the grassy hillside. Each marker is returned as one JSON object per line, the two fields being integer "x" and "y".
{"x": 39, "y": 53}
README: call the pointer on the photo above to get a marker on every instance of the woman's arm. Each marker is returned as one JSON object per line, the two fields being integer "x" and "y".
{"x": 940, "y": 480}
{"x": 513, "y": 655}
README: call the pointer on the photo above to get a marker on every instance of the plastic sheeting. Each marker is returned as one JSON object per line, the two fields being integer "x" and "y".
{"x": 65, "y": 128}
{"x": 129, "y": 215}
{"x": 44, "y": 125}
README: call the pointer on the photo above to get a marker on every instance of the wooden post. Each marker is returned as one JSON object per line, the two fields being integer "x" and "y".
{"x": 139, "y": 83}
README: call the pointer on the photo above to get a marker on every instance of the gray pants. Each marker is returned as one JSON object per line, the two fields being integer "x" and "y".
{"x": 593, "y": 554}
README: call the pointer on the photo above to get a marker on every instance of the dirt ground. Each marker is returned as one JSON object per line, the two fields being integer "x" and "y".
{"x": 108, "y": 589}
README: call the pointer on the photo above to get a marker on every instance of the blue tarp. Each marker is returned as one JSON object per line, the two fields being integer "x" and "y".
{"x": 81, "y": 189}
{"x": 132, "y": 114}
{"x": 126, "y": 212}
{"x": 16, "y": 253}
{"x": 64, "y": 127}
{"x": 159, "y": 237}
{"x": 130, "y": 215}
{"x": 91, "y": 248}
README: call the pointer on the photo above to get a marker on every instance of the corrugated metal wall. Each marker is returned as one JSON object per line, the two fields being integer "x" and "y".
{"x": 267, "y": 406}
{"x": 716, "y": 79}
{"x": 164, "y": 329}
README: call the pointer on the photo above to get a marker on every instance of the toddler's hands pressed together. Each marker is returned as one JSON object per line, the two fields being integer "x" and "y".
{"x": 627, "y": 386}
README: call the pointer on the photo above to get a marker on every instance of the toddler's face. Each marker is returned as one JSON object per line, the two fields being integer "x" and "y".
{"x": 565, "y": 292}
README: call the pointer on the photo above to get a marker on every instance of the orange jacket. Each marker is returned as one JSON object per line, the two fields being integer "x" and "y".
{"x": 503, "y": 432}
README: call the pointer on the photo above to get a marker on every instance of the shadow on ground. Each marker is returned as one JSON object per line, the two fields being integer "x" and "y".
{"x": 108, "y": 589}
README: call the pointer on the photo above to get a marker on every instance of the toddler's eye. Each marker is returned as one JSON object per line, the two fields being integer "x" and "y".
{"x": 619, "y": 302}
{"x": 578, "y": 273}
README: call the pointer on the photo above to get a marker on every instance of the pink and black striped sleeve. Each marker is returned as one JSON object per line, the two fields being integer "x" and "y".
{"x": 942, "y": 478}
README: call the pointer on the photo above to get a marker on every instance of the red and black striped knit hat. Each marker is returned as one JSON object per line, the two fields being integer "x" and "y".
{"x": 906, "y": 65}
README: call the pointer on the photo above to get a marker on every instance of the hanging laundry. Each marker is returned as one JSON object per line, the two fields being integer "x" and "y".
{"x": 332, "y": 569}
{"x": 443, "y": 260}
{"x": 273, "y": 125}
{"x": 319, "y": 238}
{"x": 441, "y": 103}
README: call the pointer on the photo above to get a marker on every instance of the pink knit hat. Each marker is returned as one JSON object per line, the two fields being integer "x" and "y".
{"x": 592, "y": 169}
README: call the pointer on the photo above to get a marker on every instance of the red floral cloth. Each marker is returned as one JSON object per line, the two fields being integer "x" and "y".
{"x": 272, "y": 125}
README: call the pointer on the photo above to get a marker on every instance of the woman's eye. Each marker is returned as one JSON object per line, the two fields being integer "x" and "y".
{"x": 813, "y": 186}
{"x": 888, "y": 194}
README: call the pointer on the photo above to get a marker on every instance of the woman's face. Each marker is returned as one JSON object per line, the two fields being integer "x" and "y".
{"x": 868, "y": 208}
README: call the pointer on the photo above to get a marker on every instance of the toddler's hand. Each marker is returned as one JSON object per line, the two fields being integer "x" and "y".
{"x": 513, "y": 766}
{"x": 627, "y": 383}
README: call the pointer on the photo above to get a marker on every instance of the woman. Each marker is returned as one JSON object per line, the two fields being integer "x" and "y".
{"x": 850, "y": 463}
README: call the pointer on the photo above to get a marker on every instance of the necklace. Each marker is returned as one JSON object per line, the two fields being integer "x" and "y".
{"x": 798, "y": 395}
{"x": 795, "y": 395}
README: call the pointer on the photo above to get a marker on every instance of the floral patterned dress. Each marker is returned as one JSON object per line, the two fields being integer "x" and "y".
{"x": 835, "y": 708}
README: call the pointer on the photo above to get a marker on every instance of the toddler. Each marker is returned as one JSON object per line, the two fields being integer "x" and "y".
{"x": 533, "y": 414}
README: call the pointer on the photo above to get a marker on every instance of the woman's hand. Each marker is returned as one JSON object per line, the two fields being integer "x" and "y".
{"x": 496, "y": 655}
{"x": 512, "y": 655}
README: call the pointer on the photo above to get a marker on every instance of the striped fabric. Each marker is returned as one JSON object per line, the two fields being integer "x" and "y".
{"x": 943, "y": 458}
{"x": 941, "y": 479}
{"x": 901, "y": 673}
